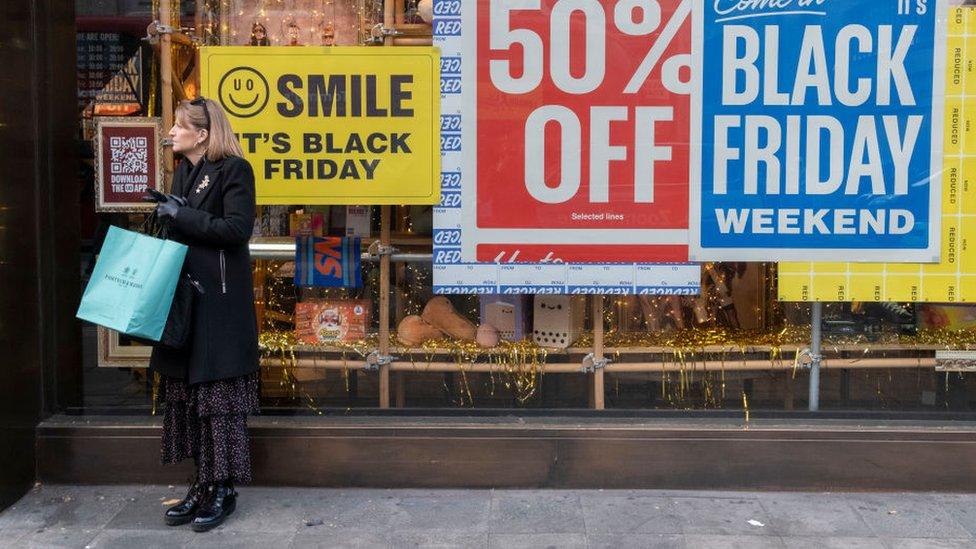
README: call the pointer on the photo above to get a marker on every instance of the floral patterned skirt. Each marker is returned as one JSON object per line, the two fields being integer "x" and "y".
{"x": 208, "y": 422}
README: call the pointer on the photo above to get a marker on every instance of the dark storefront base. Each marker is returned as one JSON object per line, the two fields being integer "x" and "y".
{"x": 395, "y": 452}
{"x": 39, "y": 283}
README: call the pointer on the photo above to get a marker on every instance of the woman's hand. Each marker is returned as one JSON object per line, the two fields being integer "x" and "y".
{"x": 167, "y": 205}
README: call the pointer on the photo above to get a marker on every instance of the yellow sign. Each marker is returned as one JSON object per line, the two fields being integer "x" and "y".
{"x": 324, "y": 125}
{"x": 954, "y": 279}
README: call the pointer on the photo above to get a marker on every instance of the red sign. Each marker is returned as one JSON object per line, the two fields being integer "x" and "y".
{"x": 129, "y": 162}
{"x": 582, "y": 131}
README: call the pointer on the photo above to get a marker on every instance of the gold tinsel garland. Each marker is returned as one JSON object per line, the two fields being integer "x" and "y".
{"x": 521, "y": 365}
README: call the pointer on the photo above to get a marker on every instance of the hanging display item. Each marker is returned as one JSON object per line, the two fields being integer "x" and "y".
{"x": 325, "y": 125}
{"x": 953, "y": 279}
{"x": 817, "y": 130}
{"x": 128, "y": 162}
{"x": 329, "y": 262}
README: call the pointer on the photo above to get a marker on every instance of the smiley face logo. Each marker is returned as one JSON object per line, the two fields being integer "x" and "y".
{"x": 243, "y": 92}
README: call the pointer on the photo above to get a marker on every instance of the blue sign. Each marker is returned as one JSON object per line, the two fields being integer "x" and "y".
{"x": 444, "y": 8}
{"x": 447, "y": 237}
{"x": 451, "y": 123}
{"x": 450, "y": 180}
{"x": 447, "y": 27}
{"x": 451, "y": 85}
{"x": 450, "y": 198}
{"x": 451, "y": 142}
{"x": 450, "y": 66}
{"x": 819, "y": 130}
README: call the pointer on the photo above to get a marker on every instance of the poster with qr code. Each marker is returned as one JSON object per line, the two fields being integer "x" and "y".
{"x": 128, "y": 162}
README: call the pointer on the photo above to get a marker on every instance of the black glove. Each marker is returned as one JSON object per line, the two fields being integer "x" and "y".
{"x": 168, "y": 205}
{"x": 154, "y": 196}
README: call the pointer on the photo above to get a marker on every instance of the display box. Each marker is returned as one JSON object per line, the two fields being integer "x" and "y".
{"x": 357, "y": 221}
{"x": 934, "y": 316}
{"x": 306, "y": 224}
{"x": 331, "y": 321}
{"x": 509, "y": 314}
{"x": 558, "y": 320}
{"x": 350, "y": 221}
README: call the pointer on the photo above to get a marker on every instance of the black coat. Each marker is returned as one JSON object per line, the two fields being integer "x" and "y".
{"x": 216, "y": 224}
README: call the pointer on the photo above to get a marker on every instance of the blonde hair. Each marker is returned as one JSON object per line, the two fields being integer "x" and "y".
{"x": 221, "y": 141}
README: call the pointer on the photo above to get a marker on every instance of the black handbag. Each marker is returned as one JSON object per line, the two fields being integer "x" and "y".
{"x": 179, "y": 323}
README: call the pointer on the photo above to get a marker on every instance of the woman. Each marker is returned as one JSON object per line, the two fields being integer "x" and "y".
{"x": 210, "y": 387}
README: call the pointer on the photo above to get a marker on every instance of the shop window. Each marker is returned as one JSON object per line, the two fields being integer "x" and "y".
{"x": 734, "y": 348}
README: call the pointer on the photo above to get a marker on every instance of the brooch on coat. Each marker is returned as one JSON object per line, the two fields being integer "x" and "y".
{"x": 203, "y": 184}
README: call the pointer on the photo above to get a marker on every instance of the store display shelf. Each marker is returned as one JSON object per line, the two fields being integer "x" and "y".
{"x": 786, "y": 351}
{"x": 283, "y": 249}
{"x": 274, "y": 253}
{"x": 865, "y": 347}
{"x": 753, "y": 365}
{"x": 414, "y": 351}
{"x": 623, "y": 360}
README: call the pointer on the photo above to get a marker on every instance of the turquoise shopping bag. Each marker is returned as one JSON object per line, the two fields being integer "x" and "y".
{"x": 131, "y": 288}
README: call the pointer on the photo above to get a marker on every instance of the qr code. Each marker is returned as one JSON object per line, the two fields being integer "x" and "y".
{"x": 129, "y": 154}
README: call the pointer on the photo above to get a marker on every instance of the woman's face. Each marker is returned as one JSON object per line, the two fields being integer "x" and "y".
{"x": 186, "y": 139}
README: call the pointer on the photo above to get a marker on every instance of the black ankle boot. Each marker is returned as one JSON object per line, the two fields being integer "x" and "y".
{"x": 219, "y": 503}
{"x": 184, "y": 511}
